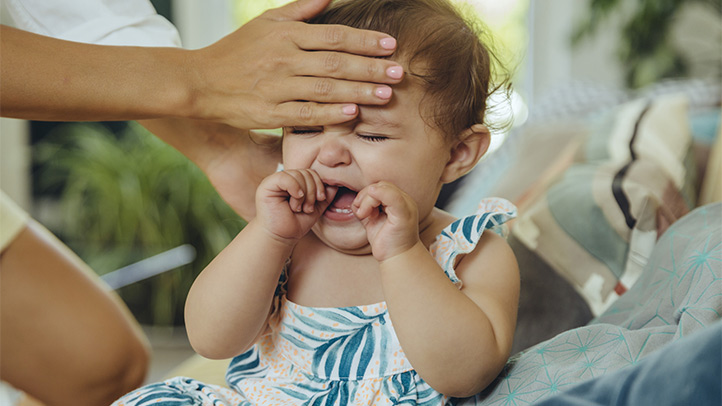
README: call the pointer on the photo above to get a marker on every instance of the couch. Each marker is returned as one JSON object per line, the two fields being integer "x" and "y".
{"x": 618, "y": 234}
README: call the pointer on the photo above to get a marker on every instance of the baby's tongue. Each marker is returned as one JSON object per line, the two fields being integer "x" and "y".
{"x": 344, "y": 198}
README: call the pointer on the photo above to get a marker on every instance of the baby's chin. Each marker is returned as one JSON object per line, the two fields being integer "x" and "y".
{"x": 347, "y": 245}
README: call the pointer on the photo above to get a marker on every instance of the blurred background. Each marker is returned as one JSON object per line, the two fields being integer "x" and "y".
{"x": 117, "y": 196}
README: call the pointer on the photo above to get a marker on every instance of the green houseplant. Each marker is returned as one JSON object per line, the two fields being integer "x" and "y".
{"x": 126, "y": 197}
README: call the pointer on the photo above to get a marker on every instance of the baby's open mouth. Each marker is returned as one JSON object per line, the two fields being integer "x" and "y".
{"x": 342, "y": 202}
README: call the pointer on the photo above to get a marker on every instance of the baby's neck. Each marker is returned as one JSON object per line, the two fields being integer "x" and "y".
{"x": 320, "y": 276}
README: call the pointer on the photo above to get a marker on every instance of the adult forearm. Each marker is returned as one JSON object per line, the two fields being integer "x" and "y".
{"x": 234, "y": 160}
{"x": 446, "y": 336}
{"x": 272, "y": 72}
{"x": 44, "y": 78}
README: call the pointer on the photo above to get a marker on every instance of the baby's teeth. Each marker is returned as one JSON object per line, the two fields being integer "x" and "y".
{"x": 344, "y": 211}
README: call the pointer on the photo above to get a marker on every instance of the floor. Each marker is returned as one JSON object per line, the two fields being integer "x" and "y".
{"x": 170, "y": 348}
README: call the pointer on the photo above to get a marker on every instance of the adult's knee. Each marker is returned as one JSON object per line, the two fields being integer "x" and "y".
{"x": 123, "y": 369}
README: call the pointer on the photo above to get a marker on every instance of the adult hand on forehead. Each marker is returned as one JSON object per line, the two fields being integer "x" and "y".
{"x": 277, "y": 70}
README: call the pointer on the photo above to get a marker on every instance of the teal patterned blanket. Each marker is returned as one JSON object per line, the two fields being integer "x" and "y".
{"x": 679, "y": 293}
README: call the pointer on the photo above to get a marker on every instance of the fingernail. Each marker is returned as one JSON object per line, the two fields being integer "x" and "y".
{"x": 383, "y": 92}
{"x": 395, "y": 72}
{"x": 349, "y": 109}
{"x": 388, "y": 43}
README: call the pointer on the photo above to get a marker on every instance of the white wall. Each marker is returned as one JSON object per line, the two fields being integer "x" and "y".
{"x": 15, "y": 161}
{"x": 201, "y": 23}
{"x": 696, "y": 33}
{"x": 552, "y": 60}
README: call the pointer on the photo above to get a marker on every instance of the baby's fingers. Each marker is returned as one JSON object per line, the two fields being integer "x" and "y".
{"x": 293, "y": 186}
{"x": 314, "y": 190}
{"x": 302, "y": 195}
{"x": 394, "y": 201}
{"x": 365, "y": 205}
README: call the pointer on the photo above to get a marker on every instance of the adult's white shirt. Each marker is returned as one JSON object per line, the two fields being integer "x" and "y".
{"x": 106, "y": 22}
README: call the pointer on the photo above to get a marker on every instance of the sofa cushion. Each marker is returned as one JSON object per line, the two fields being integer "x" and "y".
{"x": 711, "y": 189}
{"x": 548, "y": 304}
{"x": 597, "y": 223}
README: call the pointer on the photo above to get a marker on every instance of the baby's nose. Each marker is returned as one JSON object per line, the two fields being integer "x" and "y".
{"x": 334, "y": 152}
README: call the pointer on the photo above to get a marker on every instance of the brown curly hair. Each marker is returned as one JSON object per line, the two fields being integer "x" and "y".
{"x": 438, "y": 46}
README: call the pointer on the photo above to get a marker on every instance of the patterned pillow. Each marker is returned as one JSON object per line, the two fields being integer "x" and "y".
{"x": 598, "y": 222}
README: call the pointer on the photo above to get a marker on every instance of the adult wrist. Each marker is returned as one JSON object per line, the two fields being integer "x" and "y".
{"x": 178, "y": 85}
{"x": 197, "y": 97}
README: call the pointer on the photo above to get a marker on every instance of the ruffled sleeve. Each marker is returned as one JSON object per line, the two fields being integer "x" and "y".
{"x": 461, "y": 236}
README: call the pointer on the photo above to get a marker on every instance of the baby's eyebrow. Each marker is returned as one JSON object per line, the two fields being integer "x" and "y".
{"x": 380, "y": 121}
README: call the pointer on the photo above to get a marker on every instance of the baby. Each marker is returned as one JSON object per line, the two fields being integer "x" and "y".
{"x": 348, "y": 286}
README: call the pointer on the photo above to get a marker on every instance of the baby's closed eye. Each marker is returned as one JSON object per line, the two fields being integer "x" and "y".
{"x": 372, "y": 138}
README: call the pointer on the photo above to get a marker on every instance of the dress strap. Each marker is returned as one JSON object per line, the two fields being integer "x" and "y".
{"x": 461, "y": 236}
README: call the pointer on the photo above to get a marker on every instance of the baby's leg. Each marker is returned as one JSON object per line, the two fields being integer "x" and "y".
{"x": 182, "y": 391}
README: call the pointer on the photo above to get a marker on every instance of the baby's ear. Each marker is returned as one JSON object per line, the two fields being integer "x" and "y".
{"x": 470, "y": 146}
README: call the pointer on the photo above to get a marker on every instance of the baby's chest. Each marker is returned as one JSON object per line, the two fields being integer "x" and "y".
{"x": 335, "y": 280}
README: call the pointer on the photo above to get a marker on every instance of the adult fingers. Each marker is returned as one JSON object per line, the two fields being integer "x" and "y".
{"x": 325, "y": 90}
{"x": 310, "y": 113}
{"x": 347, "y": 66}
{"x": 336, "y": 37}
{"x": 331, "y": 37}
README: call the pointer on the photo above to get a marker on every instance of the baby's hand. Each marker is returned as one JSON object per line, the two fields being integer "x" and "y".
{"x": 290, "y": 202}
{"x": 391, "y": 219}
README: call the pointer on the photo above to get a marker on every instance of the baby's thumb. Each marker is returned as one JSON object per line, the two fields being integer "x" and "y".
{"x": 300, "y": 10}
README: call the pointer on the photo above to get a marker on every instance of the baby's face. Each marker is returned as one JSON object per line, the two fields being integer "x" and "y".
{"x": 385, "y": 143}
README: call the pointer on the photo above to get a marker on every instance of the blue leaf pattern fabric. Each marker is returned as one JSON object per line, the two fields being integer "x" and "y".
{"x": 330, "y": 356}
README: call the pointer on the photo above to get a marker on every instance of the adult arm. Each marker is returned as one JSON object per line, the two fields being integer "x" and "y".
{"x": 234, "y": 160}
{"x": 273, "y": 71}
{"x": 59, "y": 322}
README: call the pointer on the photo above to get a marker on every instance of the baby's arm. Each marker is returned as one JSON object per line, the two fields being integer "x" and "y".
{"x": 229, "y": 302}
{"x": 457, "y": 340}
